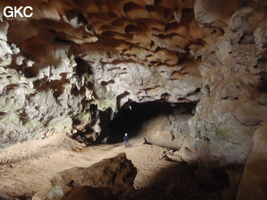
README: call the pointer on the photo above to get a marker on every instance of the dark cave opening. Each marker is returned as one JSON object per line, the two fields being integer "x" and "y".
{"x": 130, "y": 120}
{"x": 181, "y": 180}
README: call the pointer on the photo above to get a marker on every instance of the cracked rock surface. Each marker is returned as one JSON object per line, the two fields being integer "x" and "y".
{"x": 74, "y": 64}
{"x": 113, "y": 176}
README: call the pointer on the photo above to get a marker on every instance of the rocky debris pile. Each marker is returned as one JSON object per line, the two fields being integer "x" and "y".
{"x": 113, "y": 177}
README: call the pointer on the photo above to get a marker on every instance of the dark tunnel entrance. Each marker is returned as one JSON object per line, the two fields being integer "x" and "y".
{"x": 133, "y": 120}
{"x": 130, "y": 120}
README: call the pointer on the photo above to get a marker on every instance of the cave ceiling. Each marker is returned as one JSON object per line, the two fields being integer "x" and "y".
{"x": 73, "y": 59}
{"x": 162, "y": 36}
{"x": 150, "y": 32}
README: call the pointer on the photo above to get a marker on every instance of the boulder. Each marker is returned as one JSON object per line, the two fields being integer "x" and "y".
{"x": 114, "y": 175}
{"x": 89, "y": 193}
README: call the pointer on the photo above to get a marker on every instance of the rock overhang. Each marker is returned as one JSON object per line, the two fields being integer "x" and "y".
{"x": 72, "y": 56}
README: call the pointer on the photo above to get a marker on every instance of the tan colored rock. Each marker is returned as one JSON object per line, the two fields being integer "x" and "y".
{"x": 157, "y": 130}
{"x": 208, "y": 11}
{"x": 137, "y": 51}
{"x": 229, "y": 111}
{"x": 184, "y": 155}
{"x": 254, "y": 179}
{"x": 115, "y": 174}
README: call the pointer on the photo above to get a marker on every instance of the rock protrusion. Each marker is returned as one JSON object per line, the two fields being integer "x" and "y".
{"x": 253, "y": 185}
{"x": 114, "y": 175}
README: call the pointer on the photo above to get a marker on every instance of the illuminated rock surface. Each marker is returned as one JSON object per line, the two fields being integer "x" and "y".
{"x": 74, "y": 65}
{"x": 114, "y": 175}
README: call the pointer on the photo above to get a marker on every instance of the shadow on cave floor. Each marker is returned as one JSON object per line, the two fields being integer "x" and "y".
{"x": 180, "y": 182}
{"x": 130, "y": 120}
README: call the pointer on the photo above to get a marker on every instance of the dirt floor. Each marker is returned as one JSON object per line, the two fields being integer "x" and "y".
{"x": 27, "y": 167}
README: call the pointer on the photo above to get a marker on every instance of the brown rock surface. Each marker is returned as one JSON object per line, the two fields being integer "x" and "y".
{"x": 169, "y": 129}
{"x": 74, "y": 64}
{"x": 115, "y": 174}
{"x": 89, "y": 193}
{"x": 234, "y": 102}
{"x": 254, "y": 179}
{"x": 73, "y": 56}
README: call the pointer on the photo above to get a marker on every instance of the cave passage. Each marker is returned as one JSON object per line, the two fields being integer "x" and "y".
{"x": 130, "y": 120}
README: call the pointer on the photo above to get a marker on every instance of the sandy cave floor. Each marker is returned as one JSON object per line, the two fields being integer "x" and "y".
{"x": 26, "y": 168}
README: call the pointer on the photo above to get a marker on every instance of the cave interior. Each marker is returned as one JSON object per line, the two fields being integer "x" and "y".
{"x": 185, "y": 79}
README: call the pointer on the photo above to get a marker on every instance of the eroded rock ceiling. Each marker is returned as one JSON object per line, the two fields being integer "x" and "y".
{"x": 73, "y": 60}
{"x": 97, "y": 52}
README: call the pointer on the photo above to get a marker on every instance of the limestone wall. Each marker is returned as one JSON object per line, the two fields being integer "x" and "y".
{"x": 75, "y": 61}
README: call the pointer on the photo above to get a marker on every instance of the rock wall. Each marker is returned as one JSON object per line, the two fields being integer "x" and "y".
{"x": 169, "y": 128}
{"x": 72, "y": 60}
{"x": 234, "y": 80}
{"x": 73, "y": 64}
